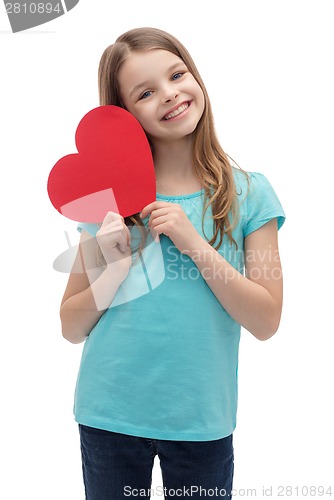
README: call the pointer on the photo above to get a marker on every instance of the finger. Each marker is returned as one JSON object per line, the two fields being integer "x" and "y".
{"x": 158, "y": 218}
{"x": 159, "y": 212}
{"x": 126, "y": 235}
{"x": 117, "y": 238}
{"x": 122, "y": 236}
{"x": 111, "y": 216}
{"x": 111, "y": 233}
{"x": 124, "y": 242}
{"x": 152, "y": 206}
{"x": 146, "y": 210}
{"x": 111, "y": 227}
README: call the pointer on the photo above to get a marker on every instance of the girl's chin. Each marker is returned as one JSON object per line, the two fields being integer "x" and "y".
{"x": 171, "y": 139}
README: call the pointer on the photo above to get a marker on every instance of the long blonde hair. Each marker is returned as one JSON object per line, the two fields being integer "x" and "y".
{"x": 211, "y": 163}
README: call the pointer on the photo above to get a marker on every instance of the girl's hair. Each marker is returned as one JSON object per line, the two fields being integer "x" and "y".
{"x": 211, "y": 163}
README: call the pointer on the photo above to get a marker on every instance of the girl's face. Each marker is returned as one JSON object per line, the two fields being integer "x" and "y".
{"x": 158, "y": 89}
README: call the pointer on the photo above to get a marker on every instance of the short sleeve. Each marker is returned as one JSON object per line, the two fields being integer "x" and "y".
{"x": 90, "y": 228}
{"x": 262, "y": 204}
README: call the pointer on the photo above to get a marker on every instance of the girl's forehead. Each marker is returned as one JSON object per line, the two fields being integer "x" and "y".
{"x": 151, "y": 59}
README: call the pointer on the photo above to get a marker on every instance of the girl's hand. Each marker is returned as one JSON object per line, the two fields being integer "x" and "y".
{"x": 170, "y": 219}
{"x": 114, "y": 239}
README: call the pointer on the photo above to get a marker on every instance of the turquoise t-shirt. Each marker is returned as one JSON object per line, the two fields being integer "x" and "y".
{"x": 162, "y": 361}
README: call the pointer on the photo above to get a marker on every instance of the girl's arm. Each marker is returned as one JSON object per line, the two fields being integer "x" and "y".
{"x": 254, "y": 300}
{"x": 90, "y": 292}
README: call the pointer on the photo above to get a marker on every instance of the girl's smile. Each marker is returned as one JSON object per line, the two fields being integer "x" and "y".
{"x": 159, "y": 90}
{"x": 177, "y": 111}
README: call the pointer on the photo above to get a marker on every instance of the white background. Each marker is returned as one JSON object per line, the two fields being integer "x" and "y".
{"x": 268, "y": 67}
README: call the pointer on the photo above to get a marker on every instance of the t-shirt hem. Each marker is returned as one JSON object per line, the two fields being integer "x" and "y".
{"x": 256, "y": 224}
{"x": 155, "y": 434}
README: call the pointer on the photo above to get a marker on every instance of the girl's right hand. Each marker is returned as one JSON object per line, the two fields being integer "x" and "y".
{"x": 114, "y": 239}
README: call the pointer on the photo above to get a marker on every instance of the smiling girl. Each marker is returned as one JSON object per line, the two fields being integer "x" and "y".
{"x": 158, "y": 374}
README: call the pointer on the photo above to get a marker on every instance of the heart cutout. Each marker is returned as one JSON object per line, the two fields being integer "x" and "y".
{"x": 113, "y": 169}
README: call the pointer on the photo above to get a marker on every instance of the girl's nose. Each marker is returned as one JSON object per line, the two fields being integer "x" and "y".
{"x": 170, "y": 95}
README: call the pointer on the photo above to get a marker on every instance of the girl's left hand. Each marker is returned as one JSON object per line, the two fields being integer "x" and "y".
{"x": 170, "y": 219}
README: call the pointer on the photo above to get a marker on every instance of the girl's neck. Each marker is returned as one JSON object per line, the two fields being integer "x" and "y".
{"x": 174, "y": 167}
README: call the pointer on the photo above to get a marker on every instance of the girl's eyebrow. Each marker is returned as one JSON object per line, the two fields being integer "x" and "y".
{"x": 147, "y": 82}
{"x": 139, "y": 86}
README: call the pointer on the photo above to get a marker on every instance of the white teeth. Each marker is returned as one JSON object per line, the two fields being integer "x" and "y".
{"x": 177, "y": 111}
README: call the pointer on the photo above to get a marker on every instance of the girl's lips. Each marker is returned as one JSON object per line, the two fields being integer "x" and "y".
{"x": 175, "y": 108}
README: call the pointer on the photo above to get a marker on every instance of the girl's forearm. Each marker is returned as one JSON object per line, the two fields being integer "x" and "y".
{"x": 80, "y": 312}
{"x": 247, "y": 302}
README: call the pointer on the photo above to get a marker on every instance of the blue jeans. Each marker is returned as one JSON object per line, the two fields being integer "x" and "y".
{"x": 117, "y": 466}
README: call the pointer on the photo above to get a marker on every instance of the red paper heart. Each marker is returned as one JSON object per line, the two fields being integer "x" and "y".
{"x": 113, "y": 169}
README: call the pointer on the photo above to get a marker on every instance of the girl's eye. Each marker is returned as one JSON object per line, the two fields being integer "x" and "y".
{"x": 176, "y": 76}
{"x": 146, "y": 94}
